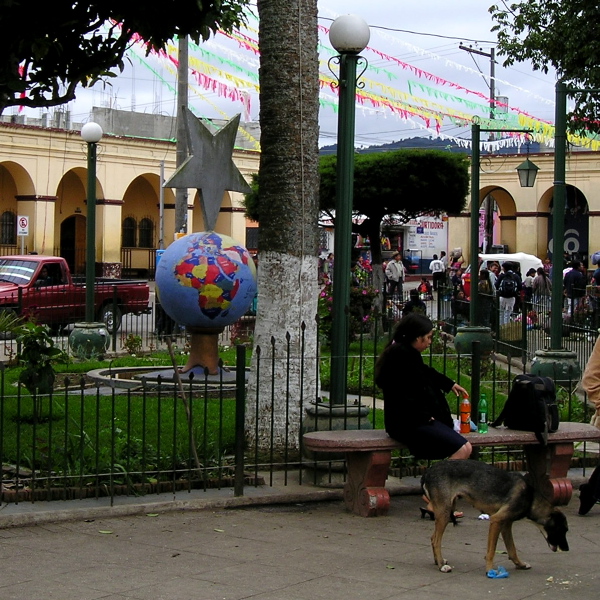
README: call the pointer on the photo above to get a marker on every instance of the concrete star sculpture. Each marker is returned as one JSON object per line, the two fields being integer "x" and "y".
{"x": 210, "y": 167}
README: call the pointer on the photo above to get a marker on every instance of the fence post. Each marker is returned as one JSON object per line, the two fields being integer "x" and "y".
{"x": 114, "y": 327}
{"x": 475, "y": 380}
{"x": 240, "y": 418}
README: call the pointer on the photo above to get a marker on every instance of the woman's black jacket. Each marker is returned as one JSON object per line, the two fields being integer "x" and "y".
{"x": 413, "y": 392}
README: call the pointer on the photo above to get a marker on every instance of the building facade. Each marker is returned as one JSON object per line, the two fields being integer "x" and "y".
{"x": 43, "y": 176}
{"x": 522, "y": 217}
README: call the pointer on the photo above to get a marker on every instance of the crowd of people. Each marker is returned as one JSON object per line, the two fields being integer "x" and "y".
{"x": 501, "y": 286}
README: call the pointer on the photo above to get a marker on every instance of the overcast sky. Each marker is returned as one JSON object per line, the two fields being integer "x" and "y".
{"x": 417, "y": 83}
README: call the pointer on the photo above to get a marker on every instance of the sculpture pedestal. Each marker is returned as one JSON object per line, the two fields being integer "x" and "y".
{"x": 89, "y": 340}
{"x": 204, "y": 349}
{"x": 465, "y": 336}
{"x": 560, "y": 365}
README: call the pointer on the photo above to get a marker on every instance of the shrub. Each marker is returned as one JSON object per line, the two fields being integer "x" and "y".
{"x": 361, "y": 310}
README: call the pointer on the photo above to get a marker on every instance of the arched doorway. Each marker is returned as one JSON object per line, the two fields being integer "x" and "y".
{"x": 72, "y": 242}
{"x": 576, "y": 241}
{"x": 497, "y": 220}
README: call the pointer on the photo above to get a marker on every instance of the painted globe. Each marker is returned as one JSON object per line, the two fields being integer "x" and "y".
{"x": 205, "y": 280}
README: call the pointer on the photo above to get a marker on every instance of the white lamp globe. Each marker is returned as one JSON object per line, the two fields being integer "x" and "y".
{"x": 91, "y": 133}
{"x": 349, "y": 33}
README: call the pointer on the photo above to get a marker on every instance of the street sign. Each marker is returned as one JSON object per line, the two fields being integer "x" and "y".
{"x": 22, "y": 225}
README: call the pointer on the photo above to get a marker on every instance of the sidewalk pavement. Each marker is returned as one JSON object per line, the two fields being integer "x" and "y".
{"x": 276, "y": 543}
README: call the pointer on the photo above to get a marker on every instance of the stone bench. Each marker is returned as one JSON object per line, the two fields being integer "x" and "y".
{"x": 369, "y": 454}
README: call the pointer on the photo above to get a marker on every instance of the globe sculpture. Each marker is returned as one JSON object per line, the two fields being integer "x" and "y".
{"x": 205, "y": 281}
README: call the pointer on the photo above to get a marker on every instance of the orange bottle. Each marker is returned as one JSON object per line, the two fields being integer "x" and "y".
{"x": 465, "y": 415}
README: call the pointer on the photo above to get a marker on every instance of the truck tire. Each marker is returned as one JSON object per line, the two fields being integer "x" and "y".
{"x": 111, "y": 316}
{"x": 9, "y": 313}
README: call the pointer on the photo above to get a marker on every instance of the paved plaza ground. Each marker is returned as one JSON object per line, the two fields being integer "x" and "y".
{"x": 214, "y": 546}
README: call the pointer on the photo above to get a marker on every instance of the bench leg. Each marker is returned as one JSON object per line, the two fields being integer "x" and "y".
{"x": 364, "y": 492}
{"x": 548, "y": 467}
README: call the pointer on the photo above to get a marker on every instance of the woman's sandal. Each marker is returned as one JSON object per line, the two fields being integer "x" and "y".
{"x": 429, "y": 513}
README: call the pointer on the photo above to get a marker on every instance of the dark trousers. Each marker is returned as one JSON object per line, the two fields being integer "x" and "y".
{"x": 438, "y": 280}
{"x": 394, "y": 286}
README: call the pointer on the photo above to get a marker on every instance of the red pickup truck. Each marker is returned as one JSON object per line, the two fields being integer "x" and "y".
{"x": 41, "y": 288}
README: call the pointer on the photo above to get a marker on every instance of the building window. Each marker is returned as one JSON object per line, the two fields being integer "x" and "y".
{"x": 146, "y": 236}
{"x": 128, "y": 232}
{"x": 8, "y": 228}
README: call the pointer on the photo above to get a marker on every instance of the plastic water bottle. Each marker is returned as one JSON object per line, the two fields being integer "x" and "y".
{"x": 465, "y": 415}
{"x": 482, "y": 426}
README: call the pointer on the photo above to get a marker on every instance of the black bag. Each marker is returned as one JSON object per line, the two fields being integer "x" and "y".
{"x": 508, "y": 286}
{"x": 531, "y": 406}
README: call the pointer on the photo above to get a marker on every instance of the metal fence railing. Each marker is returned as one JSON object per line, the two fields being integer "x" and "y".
{"x": 139, "y": 433}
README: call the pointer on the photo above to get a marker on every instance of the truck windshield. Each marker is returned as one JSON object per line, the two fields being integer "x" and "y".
{"x": 17, "y": 271}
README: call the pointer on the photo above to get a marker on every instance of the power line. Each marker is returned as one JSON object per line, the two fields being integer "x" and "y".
{"x": 436, "y": 35}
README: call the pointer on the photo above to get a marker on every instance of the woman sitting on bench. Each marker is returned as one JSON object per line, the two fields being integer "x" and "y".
{"x": 416, "y": 412}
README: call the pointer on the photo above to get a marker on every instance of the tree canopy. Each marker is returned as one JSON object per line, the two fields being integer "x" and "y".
{"x": 558, "y": 34}
{"x": 51, "y": 48}
{"x": 403, "y": 183}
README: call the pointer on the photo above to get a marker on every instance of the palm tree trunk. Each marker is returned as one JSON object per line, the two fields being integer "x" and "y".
{"x": 288, "y": 237}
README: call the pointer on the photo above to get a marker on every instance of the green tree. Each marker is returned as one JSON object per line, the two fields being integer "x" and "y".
{"x": 402, "y": 184}
{"x": 558, "y": 34}
{"x": 51, "y": 48}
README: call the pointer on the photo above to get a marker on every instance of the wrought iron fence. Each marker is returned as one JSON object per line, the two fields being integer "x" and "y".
{"x": 139, "y": 433}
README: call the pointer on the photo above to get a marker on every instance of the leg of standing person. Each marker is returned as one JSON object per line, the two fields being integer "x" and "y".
{"x": 589, "y": 493}
{"x": 504, "y": 312}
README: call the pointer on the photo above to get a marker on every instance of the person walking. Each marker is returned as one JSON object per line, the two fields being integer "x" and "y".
{"x": 574, "y": 284}
{"x": 542, "y": 289}
{"x": 436, "y": 266}
{"x": 395, "y": 274}
{"x": 509, "y": 287}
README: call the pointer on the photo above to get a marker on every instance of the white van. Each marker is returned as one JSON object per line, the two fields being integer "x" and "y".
{"x": 523, "y": 262}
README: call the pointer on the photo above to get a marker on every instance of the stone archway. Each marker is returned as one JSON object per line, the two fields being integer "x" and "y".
{"x": 72, "y": 242}
{"x": 498, "y": 218}
{"x": 576, "y": 244}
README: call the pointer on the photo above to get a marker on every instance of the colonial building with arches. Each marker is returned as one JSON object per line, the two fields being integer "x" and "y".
{"x": 522, "y": 217}
{"x": 43, "y": 176}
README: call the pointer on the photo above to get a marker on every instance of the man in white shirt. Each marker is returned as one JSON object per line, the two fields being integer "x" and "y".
{"x": 436, "y": 266}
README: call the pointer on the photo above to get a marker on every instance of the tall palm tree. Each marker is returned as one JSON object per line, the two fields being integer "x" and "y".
{"x": 288, "y": 238}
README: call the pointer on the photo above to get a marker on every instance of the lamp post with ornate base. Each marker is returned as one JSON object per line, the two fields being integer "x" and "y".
{"x": 90, "y": 338}
{"x": 527, "y": 171}
{"x": 558, "y": 362}
{"x": 349, "y": 35}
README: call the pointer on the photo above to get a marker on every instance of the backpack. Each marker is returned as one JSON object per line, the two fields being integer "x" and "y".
{"x": 508, "y": 286}
{"x": 531, "y": 406}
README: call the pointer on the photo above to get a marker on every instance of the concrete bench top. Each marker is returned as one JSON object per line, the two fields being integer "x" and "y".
{"x": 370, "y": 440}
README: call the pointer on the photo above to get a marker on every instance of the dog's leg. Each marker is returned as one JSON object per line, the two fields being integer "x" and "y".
{"x": 507, "y": 536}
{"x": 493, "y": 534}
{"x": 442, "y": 518}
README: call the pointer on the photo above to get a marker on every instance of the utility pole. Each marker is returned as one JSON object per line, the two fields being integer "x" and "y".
{"x": 181, "y": 194}
{"x": 488, "y": 202}
{"x": 492, "y": 56}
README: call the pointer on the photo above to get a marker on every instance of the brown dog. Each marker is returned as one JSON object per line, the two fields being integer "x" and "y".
{"x": 506, "y": 497}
